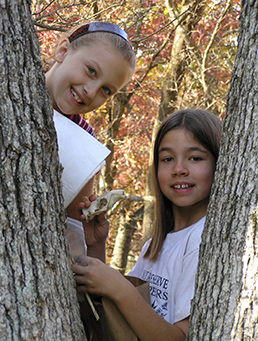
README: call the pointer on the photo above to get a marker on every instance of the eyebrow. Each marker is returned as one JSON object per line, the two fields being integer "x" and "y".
{"x": 191, "y": 149}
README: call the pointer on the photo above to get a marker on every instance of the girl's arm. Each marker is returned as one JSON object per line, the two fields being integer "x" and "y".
{"x": 99, "y": 278}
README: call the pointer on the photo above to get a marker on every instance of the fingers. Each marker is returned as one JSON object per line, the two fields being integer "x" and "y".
{"x": 78, "y": 269}
{"x": 85, "y": 202}
{"x": 97, "y": 278}
{"x": 84, "y": 275}
{"x": 102, "y": 219}
{"x": 82, "y": 217}
{"x": 82, "y": 288}
{"x": 93, "y": 197}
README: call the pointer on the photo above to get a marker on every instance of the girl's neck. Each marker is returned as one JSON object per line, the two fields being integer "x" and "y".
{"x": 187, "y": 216}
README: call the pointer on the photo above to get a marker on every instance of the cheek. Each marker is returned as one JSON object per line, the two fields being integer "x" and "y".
{"x": 162, "y": 175}
{"x": 208, "y": 178}
{"x": 98, "y": 102}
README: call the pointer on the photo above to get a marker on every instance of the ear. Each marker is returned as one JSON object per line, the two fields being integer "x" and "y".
{"x": 61, "y": 50}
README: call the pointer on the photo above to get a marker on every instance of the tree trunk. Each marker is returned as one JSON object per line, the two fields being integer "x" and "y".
{"x": 37, "y": 292}
{"x": 225, "y": 306}
{"x": 127, "y": 227}
{"x": 169, "y": 92}
{"x": 127, "y": 224}
{"x": 115, "y": 115}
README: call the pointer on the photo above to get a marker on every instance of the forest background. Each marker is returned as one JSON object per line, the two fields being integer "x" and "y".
{"x": 185, "y": 53}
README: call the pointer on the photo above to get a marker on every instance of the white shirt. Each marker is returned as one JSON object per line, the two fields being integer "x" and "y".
{"x": 172, "y": 276}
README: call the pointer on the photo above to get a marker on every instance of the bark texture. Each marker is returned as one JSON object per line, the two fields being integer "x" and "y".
{"x": 37, "y": 294}
{"x": 225, "y": 306}
{"x": 170, "y": 89}
{"x": 127, "y": 227}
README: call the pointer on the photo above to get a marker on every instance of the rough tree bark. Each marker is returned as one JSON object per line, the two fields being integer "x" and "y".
{"x": 169, "y": 90}
{"x": 127, "y": 224}
{"x": 225, "y": 306}
{"x": 127, "y": 227}
{"x": 37, "y": 292}
{"x": 115, "y": 115}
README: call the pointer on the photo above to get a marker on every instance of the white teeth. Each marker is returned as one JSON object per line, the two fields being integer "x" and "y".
{"x": 76, "y": 97}
{"x": 182, "y": 186}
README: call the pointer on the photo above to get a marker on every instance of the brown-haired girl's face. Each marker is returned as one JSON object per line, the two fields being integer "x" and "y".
{"x": 82, "y": 80}
{"x": 185, "y": 170}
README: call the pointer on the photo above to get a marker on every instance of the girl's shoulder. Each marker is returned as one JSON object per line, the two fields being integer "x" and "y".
{"x": 145, "y": 247}
{"x": 194, "y": 237}
{"x": 188, "y": 239}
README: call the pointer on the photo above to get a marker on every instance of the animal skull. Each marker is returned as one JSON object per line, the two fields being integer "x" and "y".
{"x": 103, "y": 203}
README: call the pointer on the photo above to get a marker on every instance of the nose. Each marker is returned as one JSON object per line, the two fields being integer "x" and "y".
{"x": 180, "y": 168}
{"x": 90, "y": 90}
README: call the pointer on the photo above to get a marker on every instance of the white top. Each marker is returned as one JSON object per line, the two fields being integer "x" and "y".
{"x": 172, "y": 275}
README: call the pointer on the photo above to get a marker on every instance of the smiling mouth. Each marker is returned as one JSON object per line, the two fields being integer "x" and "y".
{"x": 183, "y": 186}
{"x": 76, "y": 97}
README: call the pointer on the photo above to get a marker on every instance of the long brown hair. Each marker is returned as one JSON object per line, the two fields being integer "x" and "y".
{"x": 206, "y": 129}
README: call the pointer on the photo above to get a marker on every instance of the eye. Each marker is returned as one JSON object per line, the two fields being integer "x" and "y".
{"x": 167, "y": 159}
{"x": 106, "y": 90}
{"x": 195, "y": 158}
{"x": 92, "y": 71}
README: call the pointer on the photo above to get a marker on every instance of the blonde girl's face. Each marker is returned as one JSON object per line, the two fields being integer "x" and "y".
{"x": 82, "y": 80}
{"x": 185, "y": 171}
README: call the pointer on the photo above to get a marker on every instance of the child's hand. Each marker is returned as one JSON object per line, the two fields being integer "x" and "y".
{"x": 98, "y": 278}
{"x": 85, "y": 203}
{"x": 96, "y": 230}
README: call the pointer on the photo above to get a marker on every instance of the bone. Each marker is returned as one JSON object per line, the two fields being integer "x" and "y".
{"x": 103, "y": 203}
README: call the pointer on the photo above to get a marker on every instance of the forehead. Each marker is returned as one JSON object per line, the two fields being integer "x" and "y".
{"x": 89, "y": 44}
{"x": 179, "y": 134}
{"x": 180, "y": 140}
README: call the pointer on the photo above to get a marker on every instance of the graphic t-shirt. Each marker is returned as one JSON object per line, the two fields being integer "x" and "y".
{"x": 172, "y": 276}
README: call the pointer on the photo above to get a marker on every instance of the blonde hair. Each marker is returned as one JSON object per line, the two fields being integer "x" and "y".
{"x": 120, "y": 44}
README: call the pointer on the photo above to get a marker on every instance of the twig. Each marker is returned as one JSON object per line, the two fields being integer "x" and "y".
{"x": 92, "y": 306}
